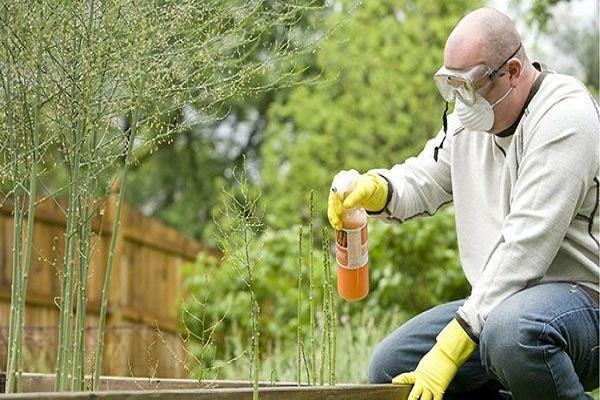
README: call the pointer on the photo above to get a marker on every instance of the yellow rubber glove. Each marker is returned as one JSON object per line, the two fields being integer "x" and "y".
{"x": 439, "y": 366}
{"x": 370, "y": 192}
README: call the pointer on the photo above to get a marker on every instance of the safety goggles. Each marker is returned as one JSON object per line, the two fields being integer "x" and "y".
{"x": 466, "y": 83}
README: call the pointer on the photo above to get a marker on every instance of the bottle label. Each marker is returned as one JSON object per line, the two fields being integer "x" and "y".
{"x": 351, "y": 250}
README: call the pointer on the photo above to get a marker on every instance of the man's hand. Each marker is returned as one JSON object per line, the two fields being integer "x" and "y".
{"x": 439, "y": 366}
{"x": 370, "y": 192}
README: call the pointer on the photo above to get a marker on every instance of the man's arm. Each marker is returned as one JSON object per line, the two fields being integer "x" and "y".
{"x": 422, "y": 184}
{"x": 558, "y": 166}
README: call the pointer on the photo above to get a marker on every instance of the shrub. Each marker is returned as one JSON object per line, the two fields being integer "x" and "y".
{"x": 413, "y": 266}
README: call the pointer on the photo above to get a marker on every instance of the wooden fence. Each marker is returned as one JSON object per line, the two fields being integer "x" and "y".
{"x": 142, "y": 336}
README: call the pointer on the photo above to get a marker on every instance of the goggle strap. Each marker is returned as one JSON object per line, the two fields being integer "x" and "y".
{"x": 445, "y": 127}
{"x": 495, "y": 73}
{"x": 445, "y": 119}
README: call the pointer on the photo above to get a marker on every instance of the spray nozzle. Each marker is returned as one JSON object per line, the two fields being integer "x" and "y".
{"x": 343, "y": 182}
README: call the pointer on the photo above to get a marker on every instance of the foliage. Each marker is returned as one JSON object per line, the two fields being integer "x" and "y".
{"x": 218, "y": 293}
{"x": 415, "y": 265}
{"x": 540, "y": 12}
{"x": 580, "y": 44}
{"x": 237, "y": 240}
{"x": 356, "y": 339}
{"x": 575, "y": 46}
{"x": 412, "y": 267}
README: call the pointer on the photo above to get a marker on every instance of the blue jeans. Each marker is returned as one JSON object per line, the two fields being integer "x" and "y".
{"x": 541, "y": 343}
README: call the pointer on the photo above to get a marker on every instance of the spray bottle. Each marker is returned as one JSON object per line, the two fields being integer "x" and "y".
{"x": 351, "y": 249}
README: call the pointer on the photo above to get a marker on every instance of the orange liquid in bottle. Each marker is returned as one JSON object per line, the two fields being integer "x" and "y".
{"x": 353, "y": 284}
{"x": 352, "y": 257}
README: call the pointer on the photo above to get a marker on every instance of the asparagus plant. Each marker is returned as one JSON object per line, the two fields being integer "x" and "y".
{"x": 69, "y": 71}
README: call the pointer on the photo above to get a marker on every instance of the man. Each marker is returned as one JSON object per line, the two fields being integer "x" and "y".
{"x": 518, "y": 158}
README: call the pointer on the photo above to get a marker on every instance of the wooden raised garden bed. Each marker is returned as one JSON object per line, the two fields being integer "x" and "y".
{"x": 39, "y": 386}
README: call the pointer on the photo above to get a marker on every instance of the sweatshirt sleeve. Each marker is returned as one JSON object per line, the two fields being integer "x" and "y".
{"x": 558, "y": 164}
{"x": 421, "y": 184}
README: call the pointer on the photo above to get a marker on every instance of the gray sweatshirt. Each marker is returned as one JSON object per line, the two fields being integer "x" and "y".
{"x": 526, "y": 204}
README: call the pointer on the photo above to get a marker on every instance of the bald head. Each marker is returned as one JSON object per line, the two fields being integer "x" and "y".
{"x": 482, "y": 36}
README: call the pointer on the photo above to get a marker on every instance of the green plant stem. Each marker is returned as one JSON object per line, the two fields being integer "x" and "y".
{"x": 324, "y": 332}
{"x": 327, "y": 305}
{"x": 334, "y": 327}
{"x": 84, "y": 251}
{"x": 15, "y": 306}
{"x": 107, "y": 280}
{"x": 65, "y": 348}
{"x": 110, "y": 261}
{"x": 67, "y": 279}
{"x": 305, "y": 362}
{"x": 17, "y": 246}
{"x": 25, "y": 263}
{"x": 255, "y": 351}
{"x": 254, "y": 311}
{"x": 79, "y": 194}
{"x": 84, "y": 231}
{"x": 331, "y": 332}
{"x": 299, "y": 312}
{"x": 311, "y": 290}
{"x": 113, "y": 239}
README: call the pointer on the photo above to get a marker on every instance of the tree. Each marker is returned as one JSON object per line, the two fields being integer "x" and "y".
{"x": 575, "y": 45}
{"x": 578, "y": 43}
{"x": 180, "y": 182}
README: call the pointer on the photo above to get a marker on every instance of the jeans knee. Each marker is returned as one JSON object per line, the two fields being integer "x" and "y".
{"x": 378, "y": 366}
{"x": 505, "y": 339}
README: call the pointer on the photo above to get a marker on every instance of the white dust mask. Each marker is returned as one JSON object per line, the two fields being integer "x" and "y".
{"x": 479, "y": 116}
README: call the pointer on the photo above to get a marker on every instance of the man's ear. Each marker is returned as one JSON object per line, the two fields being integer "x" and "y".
{"x": 515, "y": 71}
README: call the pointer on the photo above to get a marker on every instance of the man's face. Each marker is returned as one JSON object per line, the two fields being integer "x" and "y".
{"x": 466, "y": 57}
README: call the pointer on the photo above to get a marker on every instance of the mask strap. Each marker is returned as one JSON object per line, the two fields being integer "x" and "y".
{"x": 503, "y": 97}
{"x": 445, "y": 126}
